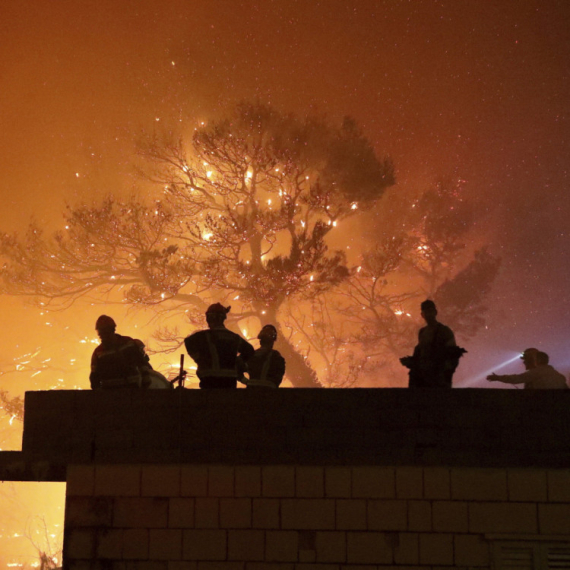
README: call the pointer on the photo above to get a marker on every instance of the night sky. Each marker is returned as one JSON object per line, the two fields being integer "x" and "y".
{"x": 465, "y": 89}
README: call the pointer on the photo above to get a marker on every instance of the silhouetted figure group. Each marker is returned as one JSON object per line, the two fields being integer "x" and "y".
{"x": 539, "y": 374}
{"x": 216, "y": 350}
{"x": 224, "y": 358}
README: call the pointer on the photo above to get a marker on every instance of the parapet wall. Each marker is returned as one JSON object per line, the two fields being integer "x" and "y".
{"x": 483, "y": 428}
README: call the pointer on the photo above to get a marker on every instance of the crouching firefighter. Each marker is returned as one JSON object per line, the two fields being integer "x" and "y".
{"x": 216, "y": 350}
{"x": 119, "y": 361}
{"x": 266, "y": 367}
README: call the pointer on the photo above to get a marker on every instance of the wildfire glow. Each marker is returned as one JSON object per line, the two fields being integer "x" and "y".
{"x": 402, "y": 125}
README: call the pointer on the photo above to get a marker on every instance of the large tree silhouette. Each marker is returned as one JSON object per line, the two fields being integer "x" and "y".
{"x": 243, "y": 213}
{"x": 240, "y": 214}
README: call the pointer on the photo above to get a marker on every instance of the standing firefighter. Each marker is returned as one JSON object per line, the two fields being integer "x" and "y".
{"x": 119, "y": 361}
{"x": 216, "y": 350}
{"x": 436, "y": 355}
{"x": 266, "y": 367}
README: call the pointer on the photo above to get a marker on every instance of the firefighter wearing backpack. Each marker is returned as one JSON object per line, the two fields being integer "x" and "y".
{"x": 119, "y": 361}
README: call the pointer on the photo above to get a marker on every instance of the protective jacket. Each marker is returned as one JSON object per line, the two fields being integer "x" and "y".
{"x": 543, "y": 377}
{"x": 215, "y": 352}
{"x": 120, "y": 364}
{"x": 266, "y": 368}
{"x": 435, "y": 358}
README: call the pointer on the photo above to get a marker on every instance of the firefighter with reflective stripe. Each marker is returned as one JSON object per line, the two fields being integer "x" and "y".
{"x": 119, "y": 361}
{"x": 266, "y": 367}
{"x": 216, "y": 350}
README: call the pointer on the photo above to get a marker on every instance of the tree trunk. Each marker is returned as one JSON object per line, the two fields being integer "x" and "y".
{"x": 298, "y": 370}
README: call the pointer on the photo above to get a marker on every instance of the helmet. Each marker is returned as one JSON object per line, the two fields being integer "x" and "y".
{"x": 105, "y": 322}
{"x": 218, "y": 308}
{"x": 269, "y": 332}
{"x": 427, "y": 305}
{"x": 542, "y": 358}
{"x": 529, "y": 353}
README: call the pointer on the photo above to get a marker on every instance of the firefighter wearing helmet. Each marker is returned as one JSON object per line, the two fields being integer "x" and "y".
{"x": 539, "y": 373}
{"x": 216, "y": 350}
{"x": 119, "y": 361}
{"x": 266, "y": 367}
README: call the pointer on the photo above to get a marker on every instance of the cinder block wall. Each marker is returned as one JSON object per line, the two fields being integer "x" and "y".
{"x": 285, "y": 517}
{"x": 307, "y": 479}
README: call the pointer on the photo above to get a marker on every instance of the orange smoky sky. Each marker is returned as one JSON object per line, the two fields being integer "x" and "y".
{"x": 455, "y": 88}
{"x": 449, "y": 88}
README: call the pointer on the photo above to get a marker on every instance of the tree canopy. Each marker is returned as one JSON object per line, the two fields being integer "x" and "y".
{"x": 241, "y": 216}
{"x": 242, "y": 212}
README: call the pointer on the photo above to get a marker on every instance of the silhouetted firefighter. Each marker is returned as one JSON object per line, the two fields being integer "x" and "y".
{"x": 119, "y": 361}
{"x": 436, "y": 355}
{"x": 216, "y": 351}
{"x": 266, "y": 367}
{"x": 539, "y": 374}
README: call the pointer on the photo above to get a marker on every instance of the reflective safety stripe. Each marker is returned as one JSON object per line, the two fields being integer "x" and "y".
{"x": 116, "y": 349}
{"x": 215, "y": 369}
{"x": 215, "y": 359}
{"x": 263, "y": 383}
{"x": 219, "y": 373}
{"x": 134, "y": 380}
{"x": 265, "y": 368}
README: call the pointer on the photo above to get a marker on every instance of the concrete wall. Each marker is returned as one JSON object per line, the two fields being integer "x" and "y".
{"x": 486, "y": 428}
{"x": 306, "y": 479}
{"x": 283, "y": 517}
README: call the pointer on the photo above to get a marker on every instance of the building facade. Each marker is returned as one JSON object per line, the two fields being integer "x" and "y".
{"x": 305, "y": 479}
